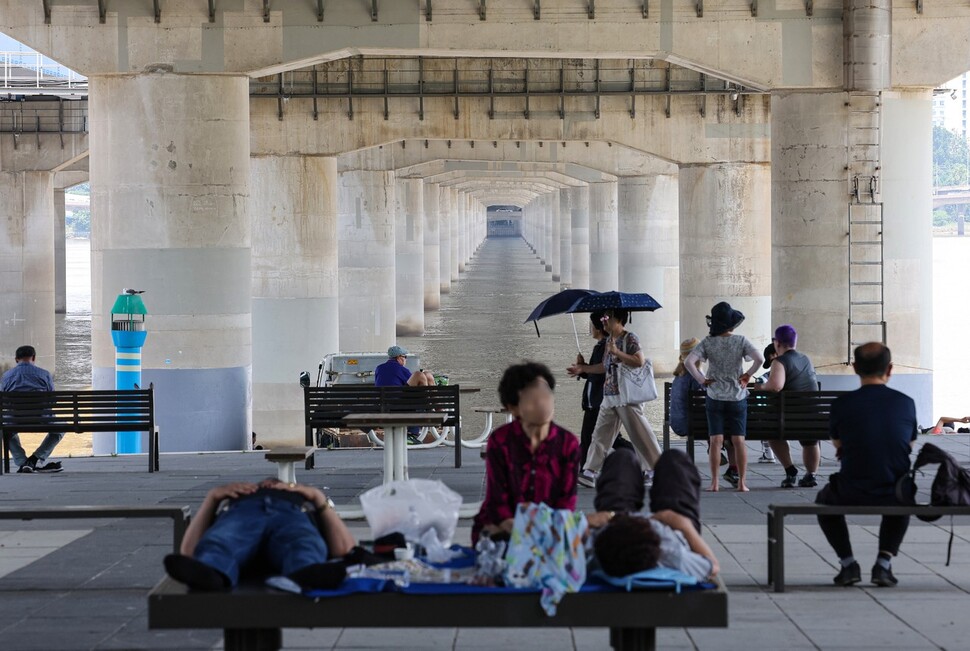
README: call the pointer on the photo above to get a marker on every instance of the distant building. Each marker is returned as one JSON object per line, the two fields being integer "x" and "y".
{"x": 950, "y": 112}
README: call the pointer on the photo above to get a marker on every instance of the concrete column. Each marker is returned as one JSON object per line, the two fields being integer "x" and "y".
{"x": 446, "y": 223}
{"x": 603, "y": 237}
{"x": 170, "y": 215}
{"x": 60, "y": 253}
{"x": 579, "y": 231}
{"x": 27, "y": 260}
{"x": 649, "y": 260}
{"x": 295, "y": 288}
{"x": 461, "y": 220}
{"x": 432, "y": 248}
{"x": 454, "y": 226}
{"x": 555, "y": 235}
{"x": 548, "y": 236}
{"x": 365, "y": 234}
{"x": 809, "y": 197}
{"x": 409, "y": 256}
{"x": 565, "y": 239}
{"x": 725, "y": 245}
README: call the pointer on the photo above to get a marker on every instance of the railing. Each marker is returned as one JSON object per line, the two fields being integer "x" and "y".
{"x": 29, "y": 73}
{"x": 56, "y": 116}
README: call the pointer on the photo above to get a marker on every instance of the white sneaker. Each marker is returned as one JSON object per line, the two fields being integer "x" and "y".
{"x": 587, "y": 478}
{"x": 767, "y": 456}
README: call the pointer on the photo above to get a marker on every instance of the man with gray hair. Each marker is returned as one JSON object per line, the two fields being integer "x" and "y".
{"x": 793, "y": 371}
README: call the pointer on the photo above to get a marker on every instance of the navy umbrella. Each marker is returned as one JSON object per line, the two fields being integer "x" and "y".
{"x": 616, "y": 300}
{"x": 560, "y": 303}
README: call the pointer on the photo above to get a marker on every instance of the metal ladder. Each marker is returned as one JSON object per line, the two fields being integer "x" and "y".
{"x": 866, "y": 320}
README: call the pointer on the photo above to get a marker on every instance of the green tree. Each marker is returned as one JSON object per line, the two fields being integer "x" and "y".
{"x": 79, "y": 223}
{"x": 950, "y": 158}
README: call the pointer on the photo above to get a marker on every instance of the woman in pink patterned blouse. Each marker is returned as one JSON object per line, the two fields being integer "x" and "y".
{"x": 530, "y": 459}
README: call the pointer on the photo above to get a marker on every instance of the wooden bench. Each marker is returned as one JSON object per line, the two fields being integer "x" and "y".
{"x": 78, "y": 411}
{"x": 778, "y": 512}
{"x": 178, "y": 514}
{"x": 327, "y": 406}
{"x": 772, "y": 416}
{"x": 252, "y": 617}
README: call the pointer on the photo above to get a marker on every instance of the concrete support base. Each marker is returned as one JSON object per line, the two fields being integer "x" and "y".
{"x": 170, "y": 215}
{"x": 603, "y": 237}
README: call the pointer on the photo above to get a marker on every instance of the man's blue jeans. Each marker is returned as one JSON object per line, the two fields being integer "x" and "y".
{"x": 276, "y": 529}
{"x": 43, "y": 452}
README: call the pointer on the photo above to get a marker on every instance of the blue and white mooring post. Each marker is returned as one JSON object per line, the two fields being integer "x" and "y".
{"x": 128, "y": 335}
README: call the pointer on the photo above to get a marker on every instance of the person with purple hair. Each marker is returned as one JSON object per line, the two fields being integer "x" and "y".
{"x": 793, "y": 371}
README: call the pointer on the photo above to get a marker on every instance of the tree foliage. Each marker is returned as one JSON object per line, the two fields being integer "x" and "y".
{"x": 950, "y": 158}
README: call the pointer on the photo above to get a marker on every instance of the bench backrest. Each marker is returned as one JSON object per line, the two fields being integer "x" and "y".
{"x": 784, "y": 414}
{"x": 327, "y": 406}
{"x": 77, "y": 411}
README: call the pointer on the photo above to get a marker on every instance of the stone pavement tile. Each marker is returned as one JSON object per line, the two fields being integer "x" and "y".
{"x": 847, "y": 618}
{"x": 301, "y": 638}
{"x": 399, "y": 638}
{"x": 941, "y": 620}
{"x": 31, "y": 539}
{"x": 515, "y": 638}
{"x": 756, "y": 621}
{"x": 133, "y": 637}
{"x": 598, "y": 639}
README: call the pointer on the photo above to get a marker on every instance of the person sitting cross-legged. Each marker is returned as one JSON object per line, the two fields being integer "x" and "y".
{"x": 273, "y": 527}
{"x": 873, "y": 429}
{"x": 531, "y": 459}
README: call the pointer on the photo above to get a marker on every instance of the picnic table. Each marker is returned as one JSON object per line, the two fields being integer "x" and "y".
{"x": 395, "y": 426}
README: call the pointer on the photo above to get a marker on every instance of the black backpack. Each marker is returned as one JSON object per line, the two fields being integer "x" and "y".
{"x": 951, "y": 486}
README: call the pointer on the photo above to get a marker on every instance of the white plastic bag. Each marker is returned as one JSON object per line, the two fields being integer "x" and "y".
{"x": 412, "y": 507}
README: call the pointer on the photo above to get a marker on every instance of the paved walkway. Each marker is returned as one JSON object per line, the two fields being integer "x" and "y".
{"x": 82, "y": 584}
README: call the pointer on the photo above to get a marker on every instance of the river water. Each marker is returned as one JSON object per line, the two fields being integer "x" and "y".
{"x": 479, "y": 329}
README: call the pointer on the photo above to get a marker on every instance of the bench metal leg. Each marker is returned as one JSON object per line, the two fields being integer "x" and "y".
{"x": 633, "y": 639}
{"x": 776, "y": 542}
{"x": 771, "y": 544}
{"x": 252, "y": 639}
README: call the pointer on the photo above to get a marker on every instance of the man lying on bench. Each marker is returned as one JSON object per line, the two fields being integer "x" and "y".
{"x": 628, "y": 541}
{"x": 272, "y": 527}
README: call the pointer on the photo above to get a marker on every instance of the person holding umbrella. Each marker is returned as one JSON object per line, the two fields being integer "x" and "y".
{"x": 593, "y": 389}
{"x": 622, "y": 348}
{"x": 727, "y": 386}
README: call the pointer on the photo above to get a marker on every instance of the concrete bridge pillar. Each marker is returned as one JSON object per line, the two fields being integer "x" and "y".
{"x": 579, "y": 232}
{"x": 409, "y": 256}
{"x": 461, "y": 221}
{"x": 725, "y": 245}
{"x": 603, "y": 237}
{"x": 432, "y": 248}
{"x": 548, "y": 232}
{"x": 565, "y": 239}
{"x": 170, "y": 215}
{"x": 365, "y": 234}
{"x": 60, "y": 252}
{"x": 27, "y": 260}
{"x": 446, "y": 223}
{"x": 809, "y": 199}
{"x": 555, "y": 228}
{"x": 293, "y": 205}
{"x": 649, "y": 260}
{"x": 454, "y": 228}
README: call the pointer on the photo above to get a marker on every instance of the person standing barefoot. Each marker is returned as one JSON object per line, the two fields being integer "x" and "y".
{"x": 727, "y": 387}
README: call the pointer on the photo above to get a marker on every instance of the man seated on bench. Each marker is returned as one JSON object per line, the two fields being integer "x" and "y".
{"x": 394, "y": 373}
{"x": 873, "y": 429}
{"x": 272, "y": 527}
{"x": 27, "y": 376}
{"x": 629, "y": 540}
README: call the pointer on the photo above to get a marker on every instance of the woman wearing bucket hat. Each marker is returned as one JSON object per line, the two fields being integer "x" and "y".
{"x": 727, "y": 393}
